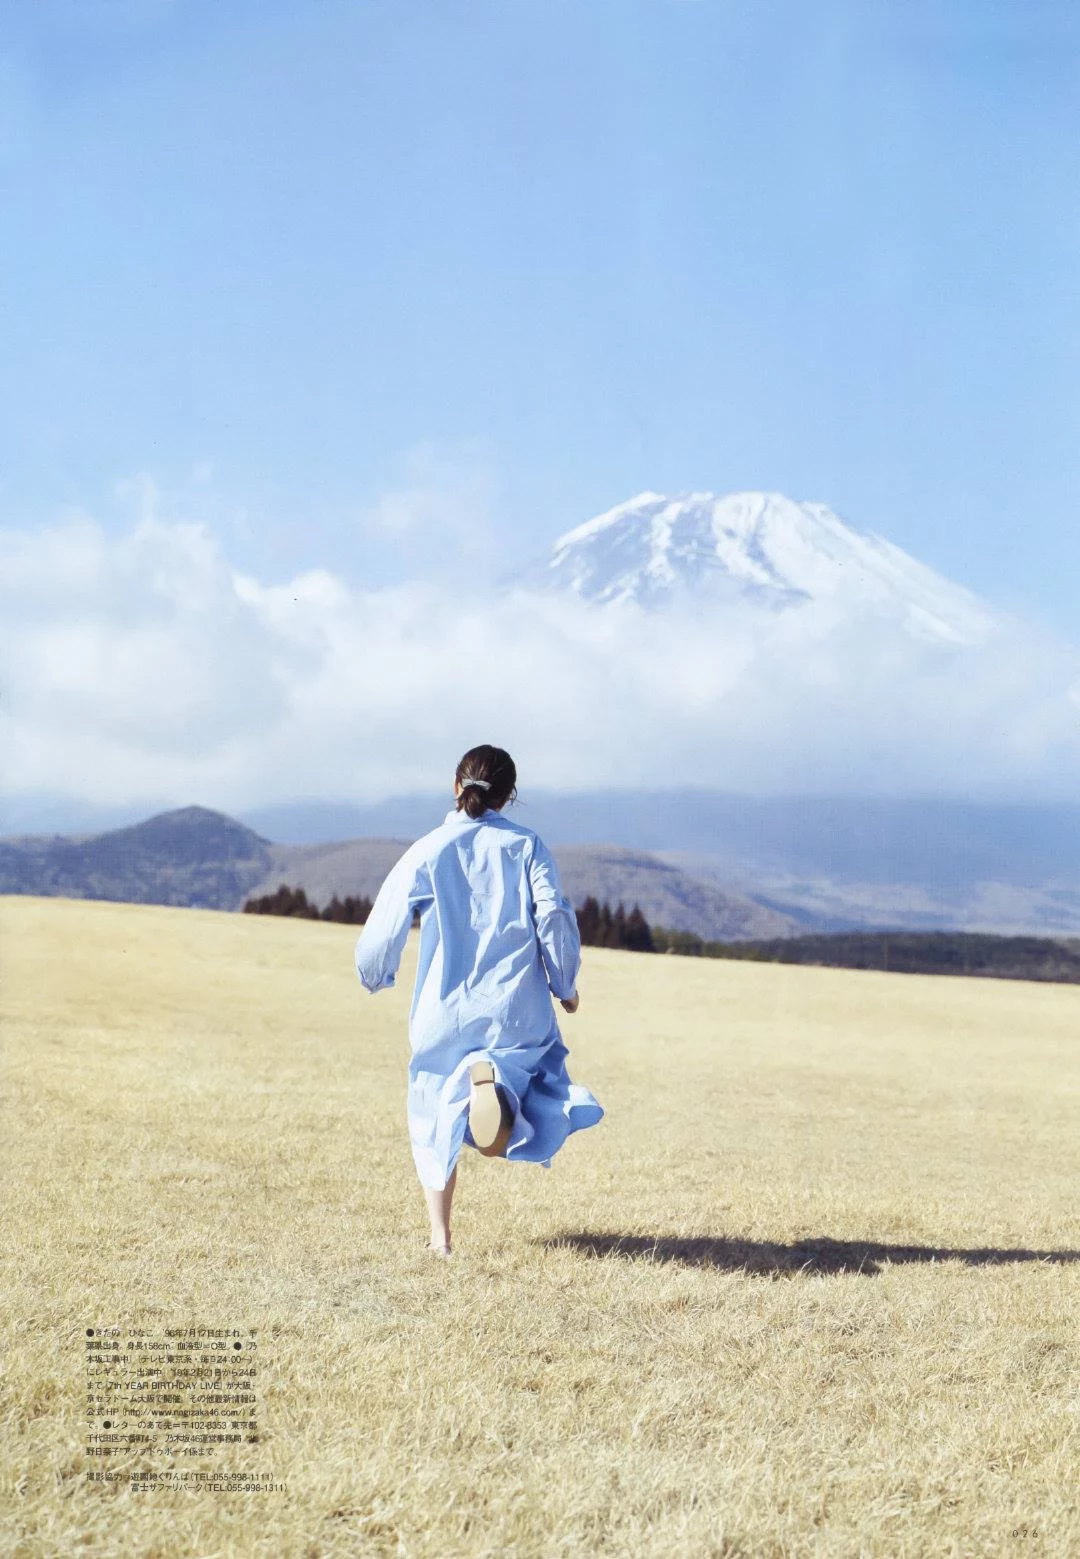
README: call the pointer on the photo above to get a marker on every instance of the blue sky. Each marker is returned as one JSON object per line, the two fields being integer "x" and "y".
{"x": 319, "y": 316}
{"x": 293, "y": 260}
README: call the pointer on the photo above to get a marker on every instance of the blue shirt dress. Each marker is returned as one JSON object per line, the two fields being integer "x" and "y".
{"x": 498, "y": 938}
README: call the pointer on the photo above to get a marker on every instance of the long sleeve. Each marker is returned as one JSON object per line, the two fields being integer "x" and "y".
{"x": 556, "y": 924}
{"x": 382, "y": 941}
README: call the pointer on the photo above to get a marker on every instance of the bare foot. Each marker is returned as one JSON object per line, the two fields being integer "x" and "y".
{"x": 439, "y": 1250}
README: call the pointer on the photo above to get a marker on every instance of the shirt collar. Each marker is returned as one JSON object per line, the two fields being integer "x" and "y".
{"x": 454, "y": 816}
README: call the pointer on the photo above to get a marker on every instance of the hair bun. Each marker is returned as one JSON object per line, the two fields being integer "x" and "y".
{"x": 498, "y": 785}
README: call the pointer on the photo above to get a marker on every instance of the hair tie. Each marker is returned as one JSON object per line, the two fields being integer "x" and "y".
{"x": 482, "y": 783}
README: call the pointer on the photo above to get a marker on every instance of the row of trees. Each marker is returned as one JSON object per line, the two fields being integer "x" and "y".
{"x": 901, "y": 952}
{"x": 599, "y": 924}
{"x": 602, "y": 926}
{"x": 295, "y": 903}
{"x": 926, "y": 952}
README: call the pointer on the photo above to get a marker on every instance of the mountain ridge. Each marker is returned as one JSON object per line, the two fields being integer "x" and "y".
{"x": 825, "y": 863}
{"x": 758, "y": 548}
{"x": 832, "y": 862}
{"x": 196, "y": 857}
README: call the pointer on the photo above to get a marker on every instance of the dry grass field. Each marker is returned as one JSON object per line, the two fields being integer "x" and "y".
{"x": 811, "y": 1288}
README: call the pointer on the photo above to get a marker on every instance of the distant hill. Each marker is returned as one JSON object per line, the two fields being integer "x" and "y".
{"x": 192, "y": 857}
{"x": 204, "y": 859}
{"x": 830, "y": 862}
{"x": 356, "y": 866}
{"x": 938, "y": 845}
{"x": 666, "y": 895}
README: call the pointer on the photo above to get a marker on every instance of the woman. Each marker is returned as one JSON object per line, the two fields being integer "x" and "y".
{"x": 498, "y": 939}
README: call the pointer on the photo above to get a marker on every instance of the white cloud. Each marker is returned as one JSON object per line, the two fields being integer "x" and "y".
{"x": 145, "y": 665}
{"x": 439, "y": 491}
{"x": 439, "y": 520}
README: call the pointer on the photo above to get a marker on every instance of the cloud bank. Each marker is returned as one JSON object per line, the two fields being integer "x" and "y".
{"x": 145, "y": 665}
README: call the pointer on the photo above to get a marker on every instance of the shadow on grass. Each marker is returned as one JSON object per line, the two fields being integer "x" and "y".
{"x": 803, "y": 1256}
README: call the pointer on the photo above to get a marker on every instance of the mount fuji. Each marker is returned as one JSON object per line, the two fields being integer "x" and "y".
{"x": 756, "y": 548}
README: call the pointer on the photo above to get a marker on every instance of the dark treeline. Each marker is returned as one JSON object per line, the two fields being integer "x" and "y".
{"x": 602, "y": 926}
{"x": 902, "y": 952}
{"x": 295, "y": 902}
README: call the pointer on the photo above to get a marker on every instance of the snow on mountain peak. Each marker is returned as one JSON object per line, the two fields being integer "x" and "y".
{"x": 760, "y": 547}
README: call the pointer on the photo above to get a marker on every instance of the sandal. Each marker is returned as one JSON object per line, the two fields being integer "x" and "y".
{"x": 490, "y": 1115}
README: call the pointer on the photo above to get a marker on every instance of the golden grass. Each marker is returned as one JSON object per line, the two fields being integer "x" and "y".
{"x": 781, "y": 1301}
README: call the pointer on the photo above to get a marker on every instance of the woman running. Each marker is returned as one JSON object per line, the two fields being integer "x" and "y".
{"x": 498, "y": 939}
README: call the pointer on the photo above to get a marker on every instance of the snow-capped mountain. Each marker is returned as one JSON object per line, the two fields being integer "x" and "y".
{"x": 757, "y": 547}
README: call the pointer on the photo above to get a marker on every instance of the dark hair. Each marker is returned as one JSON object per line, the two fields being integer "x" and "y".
{"x": 496, "y": 768}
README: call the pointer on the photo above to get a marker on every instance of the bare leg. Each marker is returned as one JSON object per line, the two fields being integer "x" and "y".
{"x": 438, "y": 1206}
